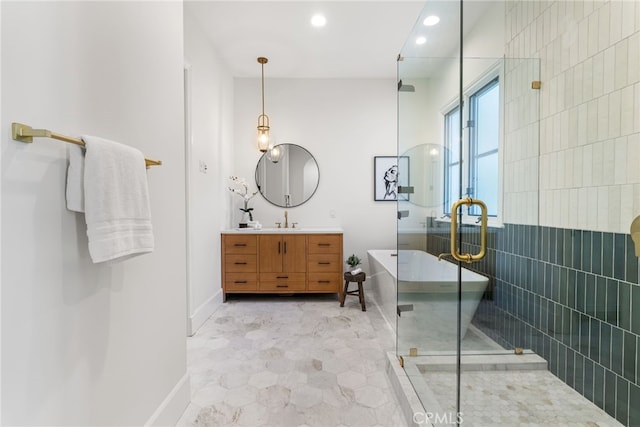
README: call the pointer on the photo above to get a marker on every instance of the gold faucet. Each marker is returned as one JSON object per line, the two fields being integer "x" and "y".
{"x": 441, "y": 256}
{"x": 286, "y": 220}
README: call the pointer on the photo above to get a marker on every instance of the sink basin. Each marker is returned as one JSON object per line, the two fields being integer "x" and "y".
{"x": 282, "y": 230}
{"x": 305, "y": 230}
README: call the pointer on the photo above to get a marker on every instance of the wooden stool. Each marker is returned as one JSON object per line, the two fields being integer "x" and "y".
{"x": 348, "y": 278}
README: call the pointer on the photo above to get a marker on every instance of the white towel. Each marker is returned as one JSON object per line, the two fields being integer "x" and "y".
{"x": 116, "y": 201}
{"x": 75, "y": 179}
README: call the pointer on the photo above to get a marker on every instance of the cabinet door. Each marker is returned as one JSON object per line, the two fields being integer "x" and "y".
{"x": 271, "y": 251}
{"x": 295, "y": 253}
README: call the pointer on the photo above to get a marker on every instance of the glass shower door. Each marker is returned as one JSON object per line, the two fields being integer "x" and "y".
{"x": 452, "y": 200}
{"x": 427, "y": 287}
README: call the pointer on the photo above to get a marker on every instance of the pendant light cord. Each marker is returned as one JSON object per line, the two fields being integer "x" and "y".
{"x": 262, "y": 65}
{"x": 262, "y": 60}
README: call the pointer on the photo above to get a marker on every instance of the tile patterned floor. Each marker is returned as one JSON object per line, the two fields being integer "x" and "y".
{"x": 517, "y": 398}
{"x": 291, "y": 361}
{"x": 305, "y": 361}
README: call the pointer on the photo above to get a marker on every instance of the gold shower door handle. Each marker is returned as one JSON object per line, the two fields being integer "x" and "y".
{"x": 468, "y": 258}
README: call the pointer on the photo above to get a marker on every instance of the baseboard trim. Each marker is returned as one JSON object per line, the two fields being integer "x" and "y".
{"x": 202, "y": 313}
{"x": 173, "y": 406}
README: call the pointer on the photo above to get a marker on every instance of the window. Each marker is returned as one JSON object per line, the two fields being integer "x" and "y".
{"x": 484, "y": 141}
{"x": 478, "y": 165}
{"x": 452, "y": 158}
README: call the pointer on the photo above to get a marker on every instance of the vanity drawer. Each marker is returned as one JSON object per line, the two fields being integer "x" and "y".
{"x": 324, "y": 263}
{"x": 270, "y": 282}
{"x": 281, "y": 286}
{"x": 240, "y": 244}
{"x": 325, "y": 243}
{"x": 241, "y": 282}
{"x": 241, "y": 263}
{"x": 324, "y": 282}
{"x": 282, "y": 277}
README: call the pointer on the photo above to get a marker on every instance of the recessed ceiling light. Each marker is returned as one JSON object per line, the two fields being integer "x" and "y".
{"x": 431, "y": 20}
{"x": 318, "y": 20}
{"x": 421, "y": 40}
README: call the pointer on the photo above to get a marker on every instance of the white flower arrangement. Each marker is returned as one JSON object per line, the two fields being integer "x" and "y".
{"x": 239, "y": 186}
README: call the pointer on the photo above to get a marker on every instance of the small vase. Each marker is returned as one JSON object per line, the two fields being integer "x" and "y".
{"x": 246, "y": 213}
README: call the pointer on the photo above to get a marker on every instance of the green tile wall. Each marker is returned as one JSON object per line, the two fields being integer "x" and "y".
{"x": 573, "y": 297}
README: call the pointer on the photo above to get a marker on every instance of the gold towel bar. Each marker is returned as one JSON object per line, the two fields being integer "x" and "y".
{"x": 24, "y": 133}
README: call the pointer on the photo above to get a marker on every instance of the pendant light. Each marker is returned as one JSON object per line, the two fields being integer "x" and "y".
{"x": 275, "y": 153}
{"x": 263, "y": 119}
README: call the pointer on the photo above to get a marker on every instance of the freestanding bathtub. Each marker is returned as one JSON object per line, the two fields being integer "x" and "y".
{"x": 428, "y": 289}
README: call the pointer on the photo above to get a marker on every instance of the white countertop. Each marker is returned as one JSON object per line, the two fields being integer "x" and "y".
{"x": 301, "y": 230}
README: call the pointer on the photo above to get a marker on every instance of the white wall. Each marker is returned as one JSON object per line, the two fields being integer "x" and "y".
{"x": 1, "y": 174}
{"x": 344, "y": 124}
{"x": 86, "y": 344}
{"x": 210, "y": 144}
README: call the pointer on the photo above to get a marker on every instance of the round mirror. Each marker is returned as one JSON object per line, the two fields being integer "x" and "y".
{"x": 287, "y": 175}
{"x": 426, "y": 165}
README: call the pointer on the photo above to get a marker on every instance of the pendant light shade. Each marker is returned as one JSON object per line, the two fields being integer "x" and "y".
{"x": 275, "y": 153}
{"x": 263, "y": 141}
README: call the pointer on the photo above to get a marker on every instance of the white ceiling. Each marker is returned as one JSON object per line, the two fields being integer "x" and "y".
{"x": 362, "y": 39}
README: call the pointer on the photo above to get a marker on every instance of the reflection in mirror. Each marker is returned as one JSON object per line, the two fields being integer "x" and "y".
{"x": 287, "y": 175}
{"x": 426, "y": 174}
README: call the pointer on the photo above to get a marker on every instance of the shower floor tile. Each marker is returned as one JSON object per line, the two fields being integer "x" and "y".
{"x": 515, "y": 398}
{"x": 291, "y": 361}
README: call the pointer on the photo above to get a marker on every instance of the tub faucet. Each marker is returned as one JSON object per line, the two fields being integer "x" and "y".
{"x": 286, "y": 219}
{"x": 442, "y": 255}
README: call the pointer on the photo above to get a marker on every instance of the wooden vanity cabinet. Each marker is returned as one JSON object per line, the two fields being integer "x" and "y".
{"x": 281, "y": 263}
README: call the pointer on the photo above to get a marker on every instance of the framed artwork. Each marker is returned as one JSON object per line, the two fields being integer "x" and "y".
{"x": 390, "y": 172}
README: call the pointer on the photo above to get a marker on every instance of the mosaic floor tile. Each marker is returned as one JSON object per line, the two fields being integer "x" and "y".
{"x": 291, "y": 361}
{"x": 516, "y": 398}
{"x": 305, "y": 361}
